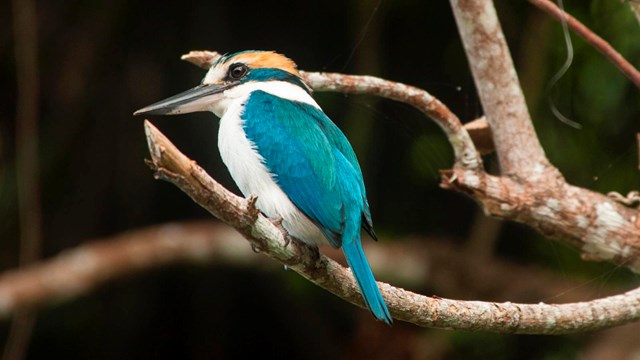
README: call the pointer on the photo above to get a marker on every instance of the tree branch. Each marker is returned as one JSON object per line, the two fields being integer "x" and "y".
{"x": 591, "y": 38}
{"x": 173, "y": 166}
{"x": 603, "y": 228}
{"x": 518, "y": 149}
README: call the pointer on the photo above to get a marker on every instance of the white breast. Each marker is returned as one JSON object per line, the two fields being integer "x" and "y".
{"x": 252, "y": 177}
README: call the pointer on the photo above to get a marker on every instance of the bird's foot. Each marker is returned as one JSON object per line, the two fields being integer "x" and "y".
{"x": 315, "y": 253}
{"x": 278, "y": 223}
{"x": 252, "y": 209}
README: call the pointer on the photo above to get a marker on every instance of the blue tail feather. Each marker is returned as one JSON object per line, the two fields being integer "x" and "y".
{"x": 364, "y": 277}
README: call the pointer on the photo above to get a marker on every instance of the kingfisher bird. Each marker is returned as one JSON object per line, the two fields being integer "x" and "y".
{"x": 279, "y": 146}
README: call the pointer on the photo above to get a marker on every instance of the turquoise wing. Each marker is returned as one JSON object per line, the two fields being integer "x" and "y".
{"x": 340, "y": 142}
{"x": 310, "y": 159}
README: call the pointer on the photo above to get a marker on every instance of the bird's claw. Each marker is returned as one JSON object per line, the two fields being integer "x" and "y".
{"x": 278, "y": 223}
{"x": 316, "y": 253}
{"x": 252, "y": 209}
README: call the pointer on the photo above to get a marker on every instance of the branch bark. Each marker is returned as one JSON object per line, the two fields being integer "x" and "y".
{"x": 519, "y": 151}
{"x": 603, "y": 228}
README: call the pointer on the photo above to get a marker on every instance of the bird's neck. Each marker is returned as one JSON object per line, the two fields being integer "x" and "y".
{"x": 239, "y": 95}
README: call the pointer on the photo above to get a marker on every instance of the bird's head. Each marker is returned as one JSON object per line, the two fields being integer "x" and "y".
{"x": 230, "y": 77}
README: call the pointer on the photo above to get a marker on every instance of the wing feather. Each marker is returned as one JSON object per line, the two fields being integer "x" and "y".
{"x": 300, "y": 157}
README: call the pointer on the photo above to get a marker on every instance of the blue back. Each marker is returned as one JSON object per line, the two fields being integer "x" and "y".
{"x": 323, "y": 179}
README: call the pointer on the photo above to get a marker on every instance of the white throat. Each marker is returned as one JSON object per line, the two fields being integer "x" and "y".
{"x": 246, "y": 165}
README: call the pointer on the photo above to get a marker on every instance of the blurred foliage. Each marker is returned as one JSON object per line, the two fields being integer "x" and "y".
{"x": 101, "y": 60}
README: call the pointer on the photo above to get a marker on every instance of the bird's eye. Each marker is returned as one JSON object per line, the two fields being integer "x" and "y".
{"x": 237, "y": 71}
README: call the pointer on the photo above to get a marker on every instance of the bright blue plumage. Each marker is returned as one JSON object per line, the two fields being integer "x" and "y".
{"x": 313, "y": 163}
{"x": 279, "y": 146}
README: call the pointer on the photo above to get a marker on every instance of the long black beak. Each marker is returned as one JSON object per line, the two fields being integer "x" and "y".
{"x": 197, "y": 99}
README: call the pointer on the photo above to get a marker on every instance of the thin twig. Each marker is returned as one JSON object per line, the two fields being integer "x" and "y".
{"x": 593, "y": 39}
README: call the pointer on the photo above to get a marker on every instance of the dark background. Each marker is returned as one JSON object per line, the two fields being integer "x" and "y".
{"x": 101, "y": 60}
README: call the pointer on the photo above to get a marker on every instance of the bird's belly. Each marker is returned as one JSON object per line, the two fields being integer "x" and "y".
{"x": 252, "y": 177}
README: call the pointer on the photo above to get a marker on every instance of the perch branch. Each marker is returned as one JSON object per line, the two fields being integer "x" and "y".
{"x": 591, "y": 38}
{"x": 173, "y": 166}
